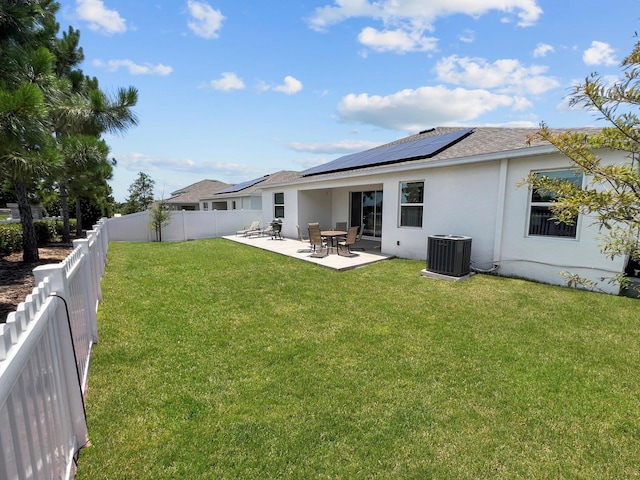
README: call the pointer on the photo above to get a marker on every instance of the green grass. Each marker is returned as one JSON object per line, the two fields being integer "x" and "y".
{"x": 218, "y": 360}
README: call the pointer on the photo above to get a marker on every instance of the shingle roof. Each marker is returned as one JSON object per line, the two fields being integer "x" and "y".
{"x": 196, "y": 191}
{"x": 482, "y": 141}
{"x": 283, "y": 176}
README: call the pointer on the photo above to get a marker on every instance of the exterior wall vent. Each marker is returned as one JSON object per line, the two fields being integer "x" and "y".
{"x": 449, "y": 255}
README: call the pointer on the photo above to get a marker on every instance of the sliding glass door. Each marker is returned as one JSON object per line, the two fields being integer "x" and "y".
{"x": 366, "y": 207}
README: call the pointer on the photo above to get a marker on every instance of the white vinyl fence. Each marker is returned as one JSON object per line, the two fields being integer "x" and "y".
{"x": 45, "y": 351}
{"x": 184, "y": 225}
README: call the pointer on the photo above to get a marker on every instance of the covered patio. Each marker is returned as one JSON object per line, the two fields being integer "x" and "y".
{"x": 302, "y": 251}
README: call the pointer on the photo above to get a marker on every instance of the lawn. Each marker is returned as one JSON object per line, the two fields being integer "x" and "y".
{"x": 217, "y": 360}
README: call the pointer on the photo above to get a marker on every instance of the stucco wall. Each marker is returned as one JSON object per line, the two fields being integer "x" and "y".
{"x": 544, "y": 258}
{"x": 481, "y": 200}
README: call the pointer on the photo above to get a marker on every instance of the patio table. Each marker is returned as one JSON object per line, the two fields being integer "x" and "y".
{"x": 332, "y": 235}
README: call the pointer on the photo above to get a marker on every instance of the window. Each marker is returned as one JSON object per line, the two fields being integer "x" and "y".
{"x": 205, "y": 206}
{"x": 411, "y": 204}
{"x": 233, "y": 205}
{"x": 540, "y": 213}
{"x": 278, "y": 205}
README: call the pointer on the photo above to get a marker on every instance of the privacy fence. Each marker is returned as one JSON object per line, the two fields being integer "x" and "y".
{"x": 184, "y": 225}
{"x": 45, "y": 352}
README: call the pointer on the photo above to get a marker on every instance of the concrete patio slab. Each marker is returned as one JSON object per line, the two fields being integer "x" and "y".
{"x": 302, "y": 251}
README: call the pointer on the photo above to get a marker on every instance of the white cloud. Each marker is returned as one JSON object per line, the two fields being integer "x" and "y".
{"x": 290, "y": 86}
{"x": 413, "y": 110}
{"x": 542, "y": 49}
{"x": 137, "y": 162}
{"x": 100, "y": 18}
{"x": 205, "y": 21}
{"x": 468, "y": 36}
{"x": 228, "y": 81}
{"x": 600, "y": 53}
{"x": 505, "y": 75}
{"x": 399, "y": 41}
{"x": 420, "y": 13}
{"x": 134, "y": 68}
{"x": 344, "y": 146}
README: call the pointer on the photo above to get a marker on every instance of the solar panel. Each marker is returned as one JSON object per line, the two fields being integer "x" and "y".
{"x": 420, "y": 148}
{"x": 241, "y": 186}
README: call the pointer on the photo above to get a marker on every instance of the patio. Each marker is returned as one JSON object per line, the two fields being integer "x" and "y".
{"x": 301, "y": 250}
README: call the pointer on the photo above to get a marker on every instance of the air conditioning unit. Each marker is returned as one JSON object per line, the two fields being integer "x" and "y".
{"x": 449, "y": 255}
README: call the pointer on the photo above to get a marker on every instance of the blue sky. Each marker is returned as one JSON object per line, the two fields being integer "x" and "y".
{"x": 231, "y": 90}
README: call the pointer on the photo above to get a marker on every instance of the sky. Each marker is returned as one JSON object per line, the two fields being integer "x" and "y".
{"x": 231, "y": 90}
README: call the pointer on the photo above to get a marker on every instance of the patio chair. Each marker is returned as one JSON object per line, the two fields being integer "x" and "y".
{"x": 317, "y": 244}
{"x": 254, "y": 227}
{"x": 303, "y": 240}
{"x": 266, "y": 231}
{"x": 358, "y": 238}
{"x": 300, "y": 236}
{"x": 341, "y": 226}
{"x": 350, "y": 239}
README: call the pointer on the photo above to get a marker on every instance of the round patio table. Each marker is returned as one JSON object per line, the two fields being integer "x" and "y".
{"x": 332, "y": 235}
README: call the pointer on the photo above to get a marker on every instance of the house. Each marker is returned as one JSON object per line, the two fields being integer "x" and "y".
{"x": 187, "y": 198}
{"x": 246, "y": 195}
{"x": 452, "y": 181}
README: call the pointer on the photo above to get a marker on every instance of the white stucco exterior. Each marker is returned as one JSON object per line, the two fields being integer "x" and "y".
{"x": 475, "y": 197}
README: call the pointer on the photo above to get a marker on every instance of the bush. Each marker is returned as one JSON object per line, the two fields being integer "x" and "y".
{"x": 10, "y": 238}
{"x": 45, "y": 231}
{"x": 59, "y": 226}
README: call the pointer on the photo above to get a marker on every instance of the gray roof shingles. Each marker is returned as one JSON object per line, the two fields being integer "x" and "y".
{"x": 196, "y": 191}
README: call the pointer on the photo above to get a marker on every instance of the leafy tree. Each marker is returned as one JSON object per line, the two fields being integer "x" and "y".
{"x": 79, "y": 116}
{"x": 26, "y": 81}
{"x": 87, "y": 169}
{"x": 140, "y": 194}
{"x": 613, "y": 195}
{"x": 160, "y": 217}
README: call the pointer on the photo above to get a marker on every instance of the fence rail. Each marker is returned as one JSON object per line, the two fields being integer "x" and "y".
{"x": 45, "y": 352}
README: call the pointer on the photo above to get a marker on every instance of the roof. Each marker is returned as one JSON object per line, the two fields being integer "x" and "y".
{"x": 479, "y": 142}
{"x": 254, "y": 187}
{"x": 196, "y": 191}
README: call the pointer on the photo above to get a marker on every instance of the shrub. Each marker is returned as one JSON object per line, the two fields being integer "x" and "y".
{"x": 59, "y": 226}
{"x": 45, "y": 231}
{"x": 10, "y": 238}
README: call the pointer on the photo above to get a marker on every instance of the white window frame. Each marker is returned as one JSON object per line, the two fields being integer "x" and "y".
{"x": 546, "y": 204}
{"x": 205, "y": 206}
{"x": 405, "y": 204}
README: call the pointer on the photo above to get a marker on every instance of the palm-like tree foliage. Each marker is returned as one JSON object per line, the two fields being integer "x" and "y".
{"x": 51, "y": 115}
{"x": 26, "y": 73}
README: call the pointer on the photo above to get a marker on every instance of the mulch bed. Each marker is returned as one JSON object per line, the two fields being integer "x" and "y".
{"x": 16, "y": 277}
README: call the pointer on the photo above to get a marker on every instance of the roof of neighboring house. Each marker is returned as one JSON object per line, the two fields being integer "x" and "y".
{"x": 478, "y": 142}
{"x": 254, "y": 187}
{"x": 196, "y": 191}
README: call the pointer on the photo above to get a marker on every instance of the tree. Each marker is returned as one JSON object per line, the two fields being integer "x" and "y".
{"x": 160, "y": 217}
{"x": 79, "y": 116}
{"x": 26, "y": 81}
{"x": 140, "y": 194}
{"x": 612, "y": 196}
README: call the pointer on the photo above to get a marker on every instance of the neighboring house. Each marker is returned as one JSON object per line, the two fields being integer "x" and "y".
{"x": 456, "y": 181}
{"x": 188, "y": 198}
{"x": 37, "y": 211}
{"x": 248, "y": 195}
